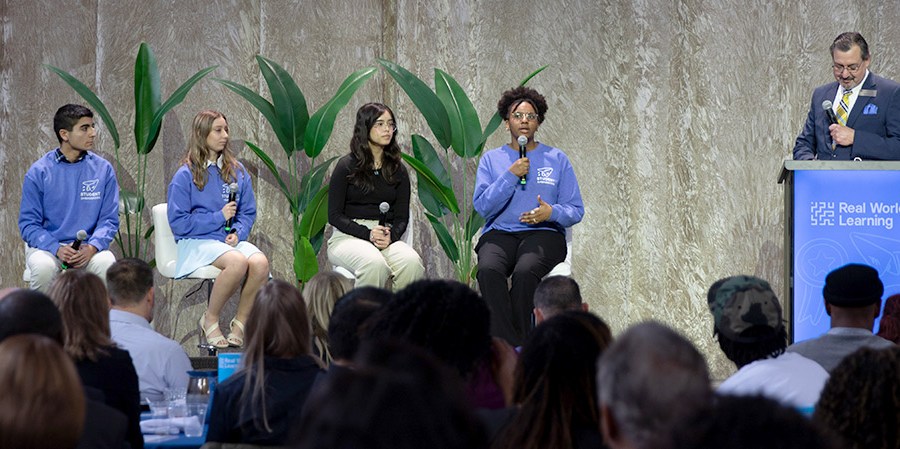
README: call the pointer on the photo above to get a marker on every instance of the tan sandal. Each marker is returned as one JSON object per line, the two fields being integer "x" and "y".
{"x": 234, "y": 340}
{"x": 218, "y": 341}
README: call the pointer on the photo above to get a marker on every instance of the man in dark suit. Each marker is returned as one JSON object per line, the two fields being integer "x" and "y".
{"x": 866, "y": 109}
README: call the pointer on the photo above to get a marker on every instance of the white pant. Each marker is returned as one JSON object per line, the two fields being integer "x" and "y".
{"x": 372, "y": 266}
{"x": 42, "y": 267}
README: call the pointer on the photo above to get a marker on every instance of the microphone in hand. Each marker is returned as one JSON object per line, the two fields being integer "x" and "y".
{"x": 80, "y": 236}
{"x": 522, "y": 142}
{"x": 384, "y": 207}
{"x": 832, "y": 119}
{"x": 232, "y": 196}
{"x": 827, "y": 105}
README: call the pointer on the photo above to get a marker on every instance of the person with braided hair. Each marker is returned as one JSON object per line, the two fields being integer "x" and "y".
{"x": 861, "y": 401}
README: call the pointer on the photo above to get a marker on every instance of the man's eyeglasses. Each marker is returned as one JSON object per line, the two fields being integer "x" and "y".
{"x": 850, "y": 68}
{"x": 524, "y": 115}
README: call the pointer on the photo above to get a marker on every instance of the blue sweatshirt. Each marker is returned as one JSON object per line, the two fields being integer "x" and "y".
{"x": 197, "y": 214}
{"x": 500, "y": 199}
{"x": 60, "y": 198}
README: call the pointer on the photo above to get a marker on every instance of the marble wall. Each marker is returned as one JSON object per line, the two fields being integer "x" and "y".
{"x": 676, "y": 115}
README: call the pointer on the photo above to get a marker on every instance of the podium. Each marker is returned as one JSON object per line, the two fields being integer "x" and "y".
{"x": 836, "y": 213}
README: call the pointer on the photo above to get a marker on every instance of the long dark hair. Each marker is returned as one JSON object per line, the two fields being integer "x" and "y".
{"x": 361, "y": 174}
{"x": 556, "y": 376}
{"x": 277, "y": 327}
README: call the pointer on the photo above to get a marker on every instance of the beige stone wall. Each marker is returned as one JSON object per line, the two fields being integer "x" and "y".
{"x": 662, "y": 107}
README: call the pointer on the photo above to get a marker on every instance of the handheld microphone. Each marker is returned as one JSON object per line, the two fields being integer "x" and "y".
{"x": 832, "y": 119}
{"x": 522, "y": 142}
{"x": 384, "y": 207}
{"x": 827, "y": 105}
{"x": 80, "y": 236}
{"x": 232, "y": 196}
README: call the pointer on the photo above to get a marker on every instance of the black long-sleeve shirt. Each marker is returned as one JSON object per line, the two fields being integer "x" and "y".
{"x": 347, "y": 202}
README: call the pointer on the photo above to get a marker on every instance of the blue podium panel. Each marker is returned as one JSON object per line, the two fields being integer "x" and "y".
{"x": 841, "y": 217}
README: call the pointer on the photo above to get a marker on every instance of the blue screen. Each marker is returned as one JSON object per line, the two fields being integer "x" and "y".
{"x": 842, "y": 217}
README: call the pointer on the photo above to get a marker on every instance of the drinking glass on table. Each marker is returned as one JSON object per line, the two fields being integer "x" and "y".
{"x": 193, "y": 426}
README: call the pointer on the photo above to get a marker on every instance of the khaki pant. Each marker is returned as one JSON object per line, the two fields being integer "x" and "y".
{"x": 372, "y": 266}
{"x": 42, "y": 267}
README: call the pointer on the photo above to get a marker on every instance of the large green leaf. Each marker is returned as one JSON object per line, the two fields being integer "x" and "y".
{"x": 316, "y": 214}
{"x": 425, "y": 100}
{"x": 290, "y": 105}
{"x": 531, "y": 75}
{"x": 146, "y": 96}
{"x": 443, "y": 235}
{"x": 261, "y": 104}
{"x": 270, "y": 164}
{"x": 305, "y": 263}
{"x": 464, "y": 123}
{"x": 92, "y": 100}
{"x": 174, "y": 100}
{"x": 473, "y": 224}
{"x": 443, "y": 193}
{"x": 318, "y": 131}
{"x": 311, "y": 183}
{"x": 425, "y": 153}
{"x": 130, "y": 202}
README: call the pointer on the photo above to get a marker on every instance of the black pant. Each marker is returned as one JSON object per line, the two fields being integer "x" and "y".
{"x": 528, "y": 256}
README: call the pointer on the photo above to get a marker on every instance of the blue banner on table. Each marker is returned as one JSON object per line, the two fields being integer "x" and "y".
{"x": 841, "y": 217}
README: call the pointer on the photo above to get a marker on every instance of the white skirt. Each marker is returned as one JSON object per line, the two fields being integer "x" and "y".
{"x": 196, "y": 253}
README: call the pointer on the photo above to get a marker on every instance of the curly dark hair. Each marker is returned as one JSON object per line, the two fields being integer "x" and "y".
{"x": 514, "y": 97}
{"x": 861, "y": 400}
{"x": 447, "y": 318}
{"x": 361, "y": 174}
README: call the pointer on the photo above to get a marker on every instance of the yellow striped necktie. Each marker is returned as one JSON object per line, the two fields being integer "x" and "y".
{"x": 843, "y": 109}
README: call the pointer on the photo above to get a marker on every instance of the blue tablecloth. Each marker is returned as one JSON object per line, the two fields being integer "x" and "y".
{"x": 175, "y": 441}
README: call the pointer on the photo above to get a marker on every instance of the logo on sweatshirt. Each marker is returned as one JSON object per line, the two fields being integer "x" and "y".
{"x": 89, "y": 190}
{"x": 545, "y": 176}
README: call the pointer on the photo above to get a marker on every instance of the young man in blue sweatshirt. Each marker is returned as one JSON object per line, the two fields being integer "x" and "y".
{"x": 68, "y": 190}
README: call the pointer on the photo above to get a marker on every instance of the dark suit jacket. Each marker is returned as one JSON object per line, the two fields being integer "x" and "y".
{"x": 875, "y": 119}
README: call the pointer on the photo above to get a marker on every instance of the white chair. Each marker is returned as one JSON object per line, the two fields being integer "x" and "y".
{"x": 407, "y": 238}
{"x": 564, "y": 268}
{"x": 167, "y": 250}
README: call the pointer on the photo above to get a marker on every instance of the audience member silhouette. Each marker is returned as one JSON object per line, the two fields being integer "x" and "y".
{"x": 42, "y": 404}
{"x": 852, "y": 296}
{"x": 749, "y": 326}
{"x": 749, "y": 422}
{"x": 555, "y": 377}
{"x": 32, "y": 312}
{"x": 556, "y": 294}
{"x": 449, "y": 320}
{"x": 348, "y": 320}
{"x": 889, "y": 328}
{"x": 397, "y": 397}
{"x": 647, "y": 381}
{"x": 861, "y": 401}
{"x": 259, "y": 403}
{"x": 84, "y": 305}
{"x": 321, "y": 292}
{"x": 160, "y": 362}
